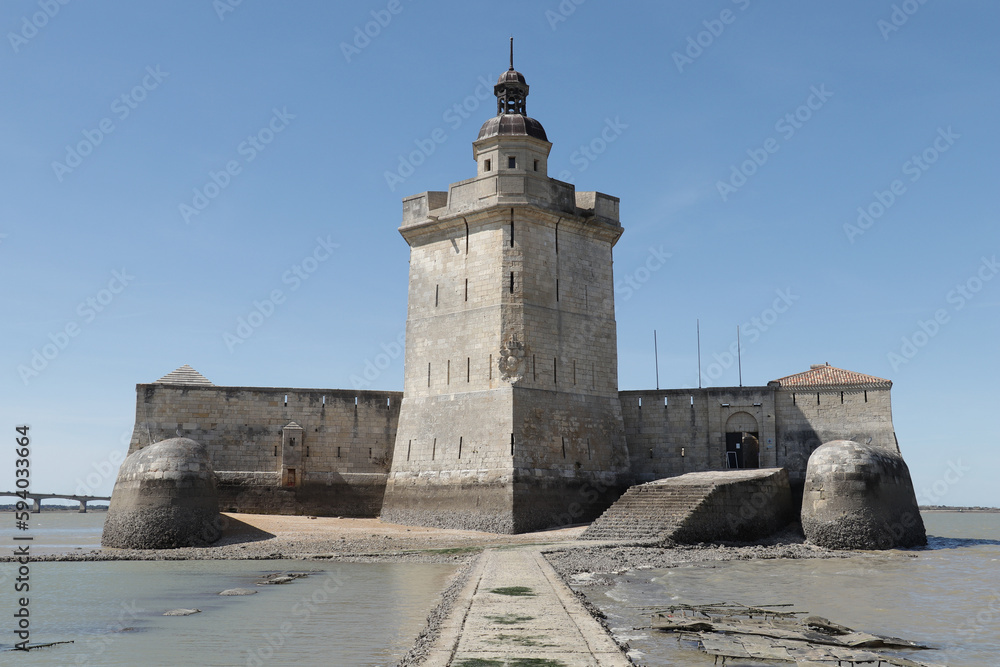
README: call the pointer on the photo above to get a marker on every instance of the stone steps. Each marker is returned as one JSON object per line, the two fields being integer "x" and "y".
{"x": 648, "y": 512}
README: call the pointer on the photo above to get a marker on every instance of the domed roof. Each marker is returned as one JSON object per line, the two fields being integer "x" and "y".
{"x": 511, "y": 76}
{"x": 512, "y": 125}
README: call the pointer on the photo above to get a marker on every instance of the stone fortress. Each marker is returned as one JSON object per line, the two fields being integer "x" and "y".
{"x": 511, "y": 418}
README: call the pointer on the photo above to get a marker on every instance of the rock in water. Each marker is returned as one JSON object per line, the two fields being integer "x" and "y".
{"x": 165, "y": 497}
{"x": 860, "y": 497}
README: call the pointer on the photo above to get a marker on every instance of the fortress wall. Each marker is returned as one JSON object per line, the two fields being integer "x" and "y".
{"x": 676, "y": 431}
{"x": 453, "y": 302}
{"x": 807, "y": 419}
{"x": 340, "y": 464}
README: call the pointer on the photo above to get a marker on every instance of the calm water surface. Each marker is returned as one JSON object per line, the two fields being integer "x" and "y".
{"x": 341, "y": 614}
{"x": 947, "y": 596}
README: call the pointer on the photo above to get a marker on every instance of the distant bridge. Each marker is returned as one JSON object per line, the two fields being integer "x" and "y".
{"x": 37, "y": 499}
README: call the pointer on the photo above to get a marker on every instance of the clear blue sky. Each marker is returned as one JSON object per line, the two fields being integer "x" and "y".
{"x": 836, "y": 106}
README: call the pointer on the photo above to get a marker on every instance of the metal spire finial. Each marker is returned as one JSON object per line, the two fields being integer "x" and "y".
{"x": 512, "y": 52}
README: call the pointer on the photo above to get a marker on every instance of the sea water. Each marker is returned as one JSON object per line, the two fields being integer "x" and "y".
{"x": 946, "y": 596}
{"x": 112, "y": 611}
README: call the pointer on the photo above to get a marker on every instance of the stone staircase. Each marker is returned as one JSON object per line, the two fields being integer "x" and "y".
{"x": 697, "y": 507}
{"x": 648, "y": 512}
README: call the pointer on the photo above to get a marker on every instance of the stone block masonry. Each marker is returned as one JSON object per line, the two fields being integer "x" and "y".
{"x": 334, "y": 464}
{"x": 734, "y": 505}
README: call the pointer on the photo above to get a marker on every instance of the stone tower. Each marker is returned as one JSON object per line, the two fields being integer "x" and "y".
{"x": 510, "y": 419}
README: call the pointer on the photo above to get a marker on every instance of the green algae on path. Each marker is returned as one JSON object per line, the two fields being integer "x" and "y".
{"x": 510, "y": 619}
{"x": 513, "y": 662}
{"x": 514, "y": 590}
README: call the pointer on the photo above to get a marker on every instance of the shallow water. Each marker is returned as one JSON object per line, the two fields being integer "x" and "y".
{"x": 947, "y": 596}
{"x": 341, "y": 614}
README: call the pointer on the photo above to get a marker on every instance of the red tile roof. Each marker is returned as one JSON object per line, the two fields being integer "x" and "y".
{"x": 825, "y": 375}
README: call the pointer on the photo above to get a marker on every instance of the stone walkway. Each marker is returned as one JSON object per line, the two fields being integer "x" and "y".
{"x": 514, "y": 611}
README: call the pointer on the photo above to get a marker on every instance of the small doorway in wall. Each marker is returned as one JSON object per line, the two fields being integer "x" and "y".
{"x": 742, "y": 441}
{"x": 290, "y": 479}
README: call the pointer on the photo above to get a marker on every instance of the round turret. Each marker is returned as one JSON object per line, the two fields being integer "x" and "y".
{"x": 165, "y": 497}
{"x": 860, "y": 497}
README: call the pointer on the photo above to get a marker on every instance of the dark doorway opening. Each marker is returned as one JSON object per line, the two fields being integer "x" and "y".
{"x": 742, "y": 450}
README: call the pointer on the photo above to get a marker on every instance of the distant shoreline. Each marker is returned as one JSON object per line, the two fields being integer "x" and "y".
{"x": 945, "y": 508}
{"x": 60, "y": 508}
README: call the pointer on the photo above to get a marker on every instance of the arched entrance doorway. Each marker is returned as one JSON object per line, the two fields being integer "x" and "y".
{"x": 742, "y": 441}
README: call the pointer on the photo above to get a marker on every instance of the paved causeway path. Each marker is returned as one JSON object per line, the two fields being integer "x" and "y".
{"x": 515, "y": 610}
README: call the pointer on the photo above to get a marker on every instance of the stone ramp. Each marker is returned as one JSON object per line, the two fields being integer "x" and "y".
{"x": 515, "y": 610}
{"x": 699, "y": 507}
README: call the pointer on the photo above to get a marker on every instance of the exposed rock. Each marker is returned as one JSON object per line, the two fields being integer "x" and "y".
{"x": 860, "y": 497}
{"x": 165, "y": 497}
{"x": 238, "y": 591}
{"x": 181, "y": 612}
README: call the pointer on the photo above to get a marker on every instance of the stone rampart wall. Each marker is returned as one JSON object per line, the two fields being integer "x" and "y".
{"x": 676, "y": 431}
{"x": 808, "y": 418}
{"x": 340, "y": 464}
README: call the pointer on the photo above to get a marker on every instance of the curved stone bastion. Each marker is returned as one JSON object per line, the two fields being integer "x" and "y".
{"x": 860, "y": 497}
{"x": 165, "y": 497}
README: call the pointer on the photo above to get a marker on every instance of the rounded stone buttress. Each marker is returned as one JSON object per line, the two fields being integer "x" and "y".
{"x": 165, "y": 497}
{"x": 860, "y": 497}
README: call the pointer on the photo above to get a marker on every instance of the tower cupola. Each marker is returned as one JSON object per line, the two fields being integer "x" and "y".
{"x": 511, "y": 91}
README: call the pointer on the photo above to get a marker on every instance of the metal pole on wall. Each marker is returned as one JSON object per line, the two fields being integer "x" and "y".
{"x": 739, "y": 354}
{"x": 698, "y": 323}
{"x": 656, "y": 357}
